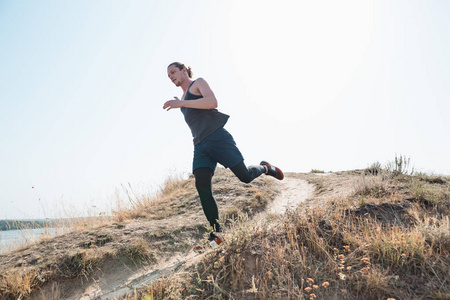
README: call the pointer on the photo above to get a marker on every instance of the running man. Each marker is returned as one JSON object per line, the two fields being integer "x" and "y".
{"x": 212, "y": 143}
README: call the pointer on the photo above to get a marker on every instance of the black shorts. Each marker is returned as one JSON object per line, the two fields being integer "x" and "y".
{"x": 218, "y": 147}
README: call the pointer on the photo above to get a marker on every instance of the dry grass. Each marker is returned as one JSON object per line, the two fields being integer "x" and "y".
{"x": 139, "y": 250}
{"x": 386, "y": 238}
{"x": 132, "y": 205}
{"x": 306, "y": 258}
{"x": 376, "y": 186}
{"x": 18, "y": 286}
{"x": 79, "y": 263}
{"x": 142, "y": 230}
{"x": 396, "y": 247}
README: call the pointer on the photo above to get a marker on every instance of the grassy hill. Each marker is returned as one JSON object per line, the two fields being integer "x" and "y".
{"x": 378, "y": 233}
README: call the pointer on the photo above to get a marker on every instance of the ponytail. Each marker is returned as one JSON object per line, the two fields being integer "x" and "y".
{"x": 181, "y": 66}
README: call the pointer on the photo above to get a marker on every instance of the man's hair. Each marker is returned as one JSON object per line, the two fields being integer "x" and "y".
{"x": 181, "y": 67}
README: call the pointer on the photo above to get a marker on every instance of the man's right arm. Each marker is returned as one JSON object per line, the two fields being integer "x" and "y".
{"x": 208, "y": 101}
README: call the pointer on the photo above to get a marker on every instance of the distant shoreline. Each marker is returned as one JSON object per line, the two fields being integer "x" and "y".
{"x": 6, "y": 225}
{"x": 20, "y": 224}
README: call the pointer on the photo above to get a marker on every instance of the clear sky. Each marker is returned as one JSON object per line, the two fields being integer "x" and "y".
{"x": 330, "y": 85}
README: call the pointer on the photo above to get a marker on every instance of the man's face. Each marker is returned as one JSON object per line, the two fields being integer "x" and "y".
{"x": 175, "y": 75}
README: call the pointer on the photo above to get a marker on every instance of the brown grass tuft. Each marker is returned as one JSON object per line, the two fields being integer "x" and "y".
{"x": 18, "y": 286}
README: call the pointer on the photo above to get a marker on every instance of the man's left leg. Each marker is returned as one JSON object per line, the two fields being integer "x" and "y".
{"x": 247, "y": 174}
{"x": 223, "y": 149}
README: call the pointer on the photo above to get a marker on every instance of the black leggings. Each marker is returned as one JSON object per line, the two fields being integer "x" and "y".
{"x": 203, "y": 183}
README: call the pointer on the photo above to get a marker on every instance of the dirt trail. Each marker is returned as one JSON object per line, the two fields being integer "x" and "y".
{"x": 293, "y": 192}
{"x": 117, "y": 278}
{"x": 112, "y": 283}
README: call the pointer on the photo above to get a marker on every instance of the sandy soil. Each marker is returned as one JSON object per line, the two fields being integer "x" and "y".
{"x": 117, "y": 275}
{"x": 293, "y": 192}
{"x": 118, "y": 280}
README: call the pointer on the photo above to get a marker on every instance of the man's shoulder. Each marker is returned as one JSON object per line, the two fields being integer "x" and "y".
{"x": 200, "y": 80}
{"x": 201, "y": 87}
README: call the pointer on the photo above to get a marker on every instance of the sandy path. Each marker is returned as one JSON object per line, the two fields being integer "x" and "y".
{"x": 293, "y": 192}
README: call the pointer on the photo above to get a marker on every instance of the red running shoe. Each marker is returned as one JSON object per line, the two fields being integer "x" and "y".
{"x": 272, "y": 170}
{"x": 214, "y": 240}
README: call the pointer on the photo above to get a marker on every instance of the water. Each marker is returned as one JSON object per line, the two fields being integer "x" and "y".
{"x": 10, "y": 239}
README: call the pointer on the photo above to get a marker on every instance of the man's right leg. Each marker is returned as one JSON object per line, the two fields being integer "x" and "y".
{"x": 203, "y": 183}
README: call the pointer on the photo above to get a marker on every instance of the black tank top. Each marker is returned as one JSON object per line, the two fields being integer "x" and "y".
{"x": 202, "y": 122}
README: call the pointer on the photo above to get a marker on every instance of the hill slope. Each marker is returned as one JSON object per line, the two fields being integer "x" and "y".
{"x": 359, "y": 234}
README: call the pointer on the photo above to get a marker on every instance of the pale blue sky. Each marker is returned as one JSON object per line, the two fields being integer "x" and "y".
{"x": 326, "y": 85}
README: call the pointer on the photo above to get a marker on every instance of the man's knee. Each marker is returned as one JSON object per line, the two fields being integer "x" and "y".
{"x": 245, "y": 179}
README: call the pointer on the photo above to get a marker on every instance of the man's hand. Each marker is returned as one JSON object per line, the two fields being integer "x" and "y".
{"x": 172, "y": 104}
